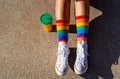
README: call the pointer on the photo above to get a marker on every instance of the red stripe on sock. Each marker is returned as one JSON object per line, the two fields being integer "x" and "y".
{"x": 82, "y": 17}
{"x": 62, "y": 21}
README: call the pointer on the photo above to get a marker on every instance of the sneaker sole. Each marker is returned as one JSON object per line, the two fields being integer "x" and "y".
{"x": 59, "y": 73}
{"x": 78, "y": 71}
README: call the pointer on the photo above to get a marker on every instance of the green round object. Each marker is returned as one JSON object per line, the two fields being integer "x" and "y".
{"x": 46, "y": 18}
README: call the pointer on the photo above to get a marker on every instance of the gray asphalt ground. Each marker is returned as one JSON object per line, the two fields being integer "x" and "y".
{"x": 28, "y": 52}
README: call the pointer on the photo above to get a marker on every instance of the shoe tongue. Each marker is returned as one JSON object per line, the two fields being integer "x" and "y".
{"x": 82, "y": 42}
{"x": 82, "y": 47}
{"x": 62, "y": 43}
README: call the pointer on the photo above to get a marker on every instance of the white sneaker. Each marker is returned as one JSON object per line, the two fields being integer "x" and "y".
{"x": 62, "y": 59}
{"x": 81, "y": 63}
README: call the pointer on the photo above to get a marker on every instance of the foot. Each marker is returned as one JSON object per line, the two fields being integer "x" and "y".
{"x": 81, "y": 63}
{"x": 62, "y": 59}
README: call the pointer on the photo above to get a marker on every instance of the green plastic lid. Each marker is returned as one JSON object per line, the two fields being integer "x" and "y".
{"x": 46, "y": 18}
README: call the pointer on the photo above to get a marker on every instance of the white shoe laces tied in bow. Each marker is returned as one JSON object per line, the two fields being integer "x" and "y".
{"x": 82, "y": 53}
{"x": 63, "y": 54}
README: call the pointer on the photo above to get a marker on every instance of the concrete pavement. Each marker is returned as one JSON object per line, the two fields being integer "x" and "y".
{"x": 28, "y": 52}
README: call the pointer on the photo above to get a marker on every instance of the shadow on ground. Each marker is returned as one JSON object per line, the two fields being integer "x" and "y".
{"x": 72, "y": 28}
{"x": 104, "y": 40}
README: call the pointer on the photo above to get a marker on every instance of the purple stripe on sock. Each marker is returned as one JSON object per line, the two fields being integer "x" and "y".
{"x": 63, "y": 38}
{"x": 82, "y": 35}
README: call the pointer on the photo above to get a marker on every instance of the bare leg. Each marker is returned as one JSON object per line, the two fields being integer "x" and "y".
{"x": 62, "y": 11}
{"x": 82, "y": 7}
{"x": 82, "y": 19}
{"x": 82, "y": 24}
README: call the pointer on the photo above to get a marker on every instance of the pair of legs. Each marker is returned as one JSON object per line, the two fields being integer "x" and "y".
{"x": 62, "y": 11}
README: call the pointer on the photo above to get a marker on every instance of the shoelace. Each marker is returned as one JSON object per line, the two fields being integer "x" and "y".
{"x": 81, "y": 52}
{"x": 63, "y": 53}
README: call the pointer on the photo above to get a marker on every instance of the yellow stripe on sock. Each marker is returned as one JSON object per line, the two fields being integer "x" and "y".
{"x": 62, "y": 27}
{"x": 82, "y": 24}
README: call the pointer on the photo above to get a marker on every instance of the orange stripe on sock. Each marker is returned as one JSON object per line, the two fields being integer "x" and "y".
{"x": 82, "y": 20}
{"x": 81, "y": 38}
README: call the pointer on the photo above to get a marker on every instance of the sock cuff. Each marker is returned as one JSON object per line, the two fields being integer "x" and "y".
{"x": 82, "y": 17}
{"x": 82, "y": 20}
{"x": 62, "y": 22}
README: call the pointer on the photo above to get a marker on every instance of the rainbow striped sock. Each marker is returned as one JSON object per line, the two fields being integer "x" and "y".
{"x": 82, "y": 25}
{"x": 62, "y": 30}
